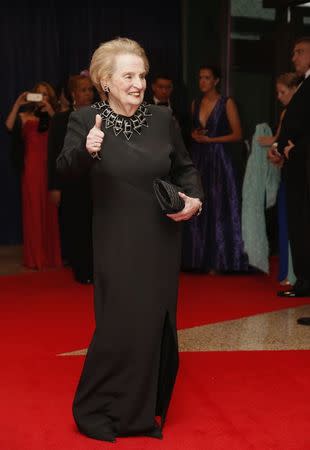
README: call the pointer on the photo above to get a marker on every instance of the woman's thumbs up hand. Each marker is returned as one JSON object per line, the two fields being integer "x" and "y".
{"x": 95, "y": 138}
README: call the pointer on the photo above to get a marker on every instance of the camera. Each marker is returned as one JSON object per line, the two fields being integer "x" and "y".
{"x": 34, "y": 97}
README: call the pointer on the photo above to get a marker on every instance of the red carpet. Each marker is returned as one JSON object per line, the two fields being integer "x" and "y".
{"x": 222, "y": 401}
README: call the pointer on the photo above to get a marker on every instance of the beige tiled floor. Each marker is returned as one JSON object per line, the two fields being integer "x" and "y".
{"x": 269, "y": 331}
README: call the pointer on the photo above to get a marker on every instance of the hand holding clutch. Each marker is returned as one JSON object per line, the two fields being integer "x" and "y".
{"x": 177, "y": 205}
{"x": 168, "y": 197}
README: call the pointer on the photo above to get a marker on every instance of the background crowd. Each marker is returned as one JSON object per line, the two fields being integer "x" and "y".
{"x": 226, "y": 237}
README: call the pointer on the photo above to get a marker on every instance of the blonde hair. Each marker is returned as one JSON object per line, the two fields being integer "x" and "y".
{"x": 52, "y": 97}
{"x": 289, "y": 79}
{"x": 103, "y": 59}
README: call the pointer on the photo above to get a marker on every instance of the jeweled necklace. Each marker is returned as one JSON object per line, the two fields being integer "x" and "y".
{"x": 119, "y": 123}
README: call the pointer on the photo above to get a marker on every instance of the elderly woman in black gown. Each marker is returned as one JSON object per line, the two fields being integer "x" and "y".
{"x": 132, "y": 360}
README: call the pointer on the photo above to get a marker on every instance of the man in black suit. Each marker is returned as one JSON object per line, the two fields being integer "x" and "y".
{"x": 293, "y": 147}
{"x": 164, "y": 94}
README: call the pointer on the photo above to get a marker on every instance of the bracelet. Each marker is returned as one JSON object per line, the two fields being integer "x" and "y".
{"x": 95, "y": 155}
{"x": 275, "y": 148}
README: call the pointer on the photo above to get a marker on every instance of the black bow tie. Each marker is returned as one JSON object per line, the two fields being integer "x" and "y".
{"x": 163, "y": 104}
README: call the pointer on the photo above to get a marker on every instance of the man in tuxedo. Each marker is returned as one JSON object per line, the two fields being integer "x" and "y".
{"x": 163, "y": 94}
{"x": 162, "y": 87}
{"x": 294, "y": 149}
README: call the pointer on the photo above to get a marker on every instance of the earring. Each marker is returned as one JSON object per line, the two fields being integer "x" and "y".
{"x": 106, "y": 89}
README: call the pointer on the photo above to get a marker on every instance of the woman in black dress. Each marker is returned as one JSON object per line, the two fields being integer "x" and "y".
{"x": 132, "y": 360}
{"x": 72, "y": 196}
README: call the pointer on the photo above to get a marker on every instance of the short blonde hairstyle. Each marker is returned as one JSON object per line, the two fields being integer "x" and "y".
{"x": 103, "y": 59}
{"x": 289, "y": 79}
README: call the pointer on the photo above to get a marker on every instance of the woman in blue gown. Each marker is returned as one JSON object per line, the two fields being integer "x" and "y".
{"x": 286, "y": 86}
{"x": 213, "y": 241}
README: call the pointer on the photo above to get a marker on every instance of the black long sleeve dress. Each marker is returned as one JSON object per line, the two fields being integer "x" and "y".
{"x": 132, "y": 360}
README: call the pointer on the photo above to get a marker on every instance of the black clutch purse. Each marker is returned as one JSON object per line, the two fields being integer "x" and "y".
{"x": 168, "y": 197}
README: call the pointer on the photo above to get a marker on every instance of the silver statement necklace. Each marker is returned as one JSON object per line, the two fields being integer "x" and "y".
{"x": 119, "y": 123}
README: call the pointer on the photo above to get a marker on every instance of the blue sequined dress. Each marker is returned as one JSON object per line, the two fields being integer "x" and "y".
{"x": 212, "y": 241}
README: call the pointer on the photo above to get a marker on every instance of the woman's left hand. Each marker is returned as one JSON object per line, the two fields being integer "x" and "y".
{"x": 288, "y": 148}
{"x": 203, "y": 139}
{"x": 192, "y": 206}
{"x": 200, "y": 138}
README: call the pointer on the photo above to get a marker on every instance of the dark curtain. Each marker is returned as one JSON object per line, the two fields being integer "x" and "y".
{"x": 51, "y": 41}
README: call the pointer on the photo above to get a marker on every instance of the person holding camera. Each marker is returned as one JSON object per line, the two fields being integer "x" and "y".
{"x": 28, "y": 122}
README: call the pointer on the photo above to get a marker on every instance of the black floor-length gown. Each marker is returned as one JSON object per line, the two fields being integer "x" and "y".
{"x": 132, "y": 360}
